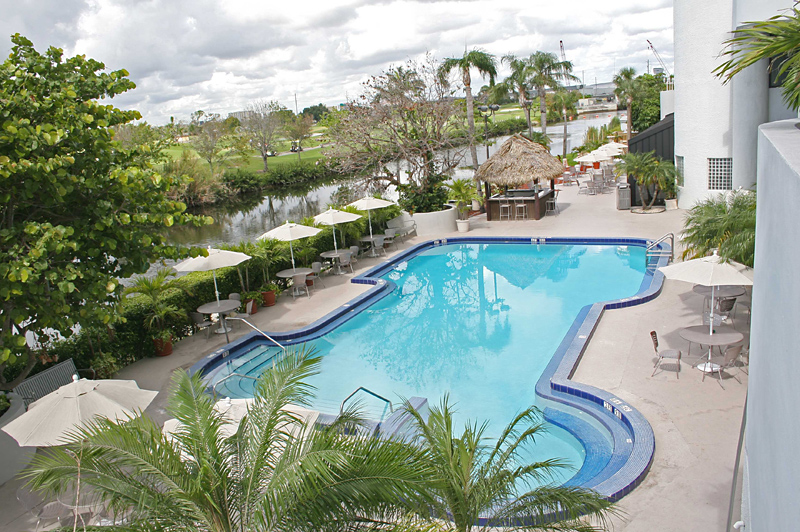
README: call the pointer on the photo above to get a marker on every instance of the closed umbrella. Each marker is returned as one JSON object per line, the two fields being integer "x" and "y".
{"x": 52, "y": 418}
{"x": 368, "y": 204}
{"x": 288, "y": 232}
{"x": 333, "y": 217}
{"x": 217, "y": 258}
{"x": 708, "y": 271}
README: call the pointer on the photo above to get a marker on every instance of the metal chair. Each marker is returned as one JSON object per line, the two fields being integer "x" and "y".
{"x": 235, "y": 295}
{"x": 298, "y": 284}
{"x": 505, "y": 209}
{"x": 388, "y": 237}
{"x": 35, "y": 505}
{"x": 672, "y": 354}
{"x": 354, "y": 250}
{"x": 520, "y": 210}
{"x": 551, "y": 205}
{"x": 199, "y": 322}
{"x": 316, "y": 269}
{"x": 345, "y": 260}
{"x": 729, "y": 362}
{"x": 377, "y": 244}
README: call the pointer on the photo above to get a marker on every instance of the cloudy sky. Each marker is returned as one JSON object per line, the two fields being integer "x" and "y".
{"x": 218, "y": 55}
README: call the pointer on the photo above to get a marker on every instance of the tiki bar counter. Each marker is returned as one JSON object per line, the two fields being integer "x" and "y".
{"x": 522, "y": 204}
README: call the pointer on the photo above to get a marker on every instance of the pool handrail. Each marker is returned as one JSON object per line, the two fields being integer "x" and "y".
{"x": 265, "y": 335}
{"x": 362, "y": 388}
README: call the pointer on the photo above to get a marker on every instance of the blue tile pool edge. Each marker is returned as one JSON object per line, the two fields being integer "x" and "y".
{"x": 633, "y": 444}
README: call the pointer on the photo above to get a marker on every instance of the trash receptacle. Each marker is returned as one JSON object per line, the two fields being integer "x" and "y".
{"x": 623, "y": 196}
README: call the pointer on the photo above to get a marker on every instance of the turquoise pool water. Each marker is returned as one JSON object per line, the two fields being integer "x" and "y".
{"x": 479, "y": 322}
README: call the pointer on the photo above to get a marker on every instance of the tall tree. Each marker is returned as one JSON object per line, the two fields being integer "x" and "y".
{"x": 474, "y": 478}
{"x": 486, "y": 64}
{"x": 776, "y": 39}
{"x": 78, "y": 211}
{"x": 626, "y": 85}
{"x": 298, "y": 129}
{"x": 517, "y": 82}
{"x": 261, "y": 124}
{"x": 564, "y": 101}
{"x": 209, "y": 140}
{"x": 277, "y": 472}
{"x": 546, "y": 71}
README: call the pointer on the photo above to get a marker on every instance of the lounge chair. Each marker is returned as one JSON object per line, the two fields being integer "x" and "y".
{"x": 672, "y": 354}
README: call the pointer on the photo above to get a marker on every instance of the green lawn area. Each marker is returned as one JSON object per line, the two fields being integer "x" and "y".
{"x": 254, "y": 162}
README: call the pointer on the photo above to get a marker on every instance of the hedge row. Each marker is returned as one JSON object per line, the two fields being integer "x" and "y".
{"x": 280, "y": 176}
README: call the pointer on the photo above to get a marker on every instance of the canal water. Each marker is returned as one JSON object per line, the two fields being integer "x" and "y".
{"x": 253, "y": 216}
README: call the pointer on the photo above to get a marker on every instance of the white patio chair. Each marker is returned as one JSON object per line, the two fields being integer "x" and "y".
{"x": 354, "y": 250}
{"x": 199, "y": 322}
{"x": 316, "y": 269}
{"x": 729, "y": 362}
{"x": 673, "y": 354}
{"x": 377, "y": 245}
{"x": 388, "y": 237}
{"x": 345, "y": 260}
{"x": 299, "y": 284}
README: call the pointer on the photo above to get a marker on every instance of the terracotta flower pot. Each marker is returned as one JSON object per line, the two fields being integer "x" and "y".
{"x": 268, "y": 298}
{"x": 255, "y": 305}
{"x": 163, "y": 347}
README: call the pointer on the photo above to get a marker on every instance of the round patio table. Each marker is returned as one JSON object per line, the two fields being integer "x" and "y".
{"x": 722, "y": 291}
{"x": 221, "y": 307}
{"x": 285, "y": 274}
{"x": 371, "y": 240}
{"x": 699, "y": 334}
{"x": 334, "y": 256}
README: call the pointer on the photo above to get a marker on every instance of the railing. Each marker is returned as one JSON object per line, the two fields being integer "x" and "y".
{"x": 654, "y": 251}
{"x": 226, "y": 377}
{"x": 360, "y": 389}
{"x": 265, "y": 335}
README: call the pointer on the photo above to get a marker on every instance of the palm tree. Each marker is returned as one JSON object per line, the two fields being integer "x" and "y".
{"x": 776, "y": 39}
{"x": 484, "y": 63}
{"x": 625, "y": 82}
{"x": 277, "y": 472}
{"x": 641, "y": 166}
{"x": 564, "y": 100}
{"x": 546, "y": 71}
{"x": 517, "y": 82}
{"x": 727, "y": 223}
{"x": 473, "y": 478}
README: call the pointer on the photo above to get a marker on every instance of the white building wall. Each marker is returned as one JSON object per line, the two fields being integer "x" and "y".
{"x": 773, "y": 431}
{"x": 702, "y": 103}
{"x": 750, "y": 102}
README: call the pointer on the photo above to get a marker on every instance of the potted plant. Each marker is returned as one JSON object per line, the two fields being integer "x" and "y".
{"x": 255, "y": 297}
{"x": 158, "y": 313}
{"x": 463, "y": 192}
{"x": 269, "y": 292}
{"x": 667, "y": 175}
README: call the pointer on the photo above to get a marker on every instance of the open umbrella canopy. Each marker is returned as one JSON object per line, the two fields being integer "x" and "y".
{"x": 518, "y": 161}
{"x": 600, "y": 155}
{"x": 217, "y": 258}
{"x": 333, "y": 217}
{"x": 368, "y": 203}
{"x": 288, "y": 232}
{"x": 588, "y": 158}
{"x": 52, "y": 418}
{"x": 708, "y": 271}
{"x": 616, "y": 145}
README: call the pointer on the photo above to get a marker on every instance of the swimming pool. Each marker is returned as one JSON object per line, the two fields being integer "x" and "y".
{"x": 478, "y": 319}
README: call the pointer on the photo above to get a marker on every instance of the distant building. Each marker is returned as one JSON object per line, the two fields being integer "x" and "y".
{"x": 240, "y": 115}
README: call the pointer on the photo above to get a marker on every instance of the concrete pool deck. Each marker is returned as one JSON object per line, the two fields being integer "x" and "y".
{"x": 696, "y": 424}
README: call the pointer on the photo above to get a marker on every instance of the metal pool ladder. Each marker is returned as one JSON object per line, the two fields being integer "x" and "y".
{"x": 656, "y": 252}
{"x": 363, "y": 389}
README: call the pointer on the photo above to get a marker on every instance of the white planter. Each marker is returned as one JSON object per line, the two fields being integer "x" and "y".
{"x": 671, "y": 204}
{"x": 463, "y": 226}
{"x": 476, "y": 205}
{"x": 436, "y": 223}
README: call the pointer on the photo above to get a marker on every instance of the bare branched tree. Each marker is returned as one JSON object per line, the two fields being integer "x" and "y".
{"x": 261, "y": 126}
{"x": 406, "y": 114}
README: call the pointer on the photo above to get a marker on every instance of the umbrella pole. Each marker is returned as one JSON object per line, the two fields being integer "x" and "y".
{"x": 216, "y": 290}
{"x": 335, "y": 247}
{"x": 291, "y": 251}
{"x": 369, "y": 215}
{"x": 711, "y": 313}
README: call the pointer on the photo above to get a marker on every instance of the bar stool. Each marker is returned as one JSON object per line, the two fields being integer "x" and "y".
{"x": 520, "y": 210}
{"x": 551, "y": 205}
{"x": 505, "y": 209}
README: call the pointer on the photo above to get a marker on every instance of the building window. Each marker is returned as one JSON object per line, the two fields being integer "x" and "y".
{"x": 679, "y": 167}
{"x": 720, "y": 174}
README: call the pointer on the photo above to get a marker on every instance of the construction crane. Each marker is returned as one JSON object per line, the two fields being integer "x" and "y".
{"x": 655, "y": 52}
{"x": 563, "y": 56}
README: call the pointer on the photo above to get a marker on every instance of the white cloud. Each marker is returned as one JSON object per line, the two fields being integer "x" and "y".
{"x": 219, "y": 55}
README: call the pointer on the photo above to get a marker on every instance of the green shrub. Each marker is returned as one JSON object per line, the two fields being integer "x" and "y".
{"x": 242, "y": 181}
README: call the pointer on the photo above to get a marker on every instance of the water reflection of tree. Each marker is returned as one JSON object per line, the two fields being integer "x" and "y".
{"x": 521, "y": 268}
{"x": 465, "y": 316}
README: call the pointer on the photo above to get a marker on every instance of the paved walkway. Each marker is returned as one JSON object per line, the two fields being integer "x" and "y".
{"x": 696, "y": 423}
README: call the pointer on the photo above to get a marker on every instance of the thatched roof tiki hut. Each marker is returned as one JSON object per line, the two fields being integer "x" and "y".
{"x": 518, "y": 161}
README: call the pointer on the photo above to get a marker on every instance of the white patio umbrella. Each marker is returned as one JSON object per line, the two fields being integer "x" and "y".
{"x": 708, "y": 271}
{"x": 368, "y": 204}
{"x": 288, "y": 232}
{"x": 600, "y": 155}
{"x": 616, "y": 145}
{"x": 49, "y": 420}
{"x": 217, "y": 258}
{"x": 611, "y": 150}
{"x": 587, "y": 158}
{"x": 333, "y": 217}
